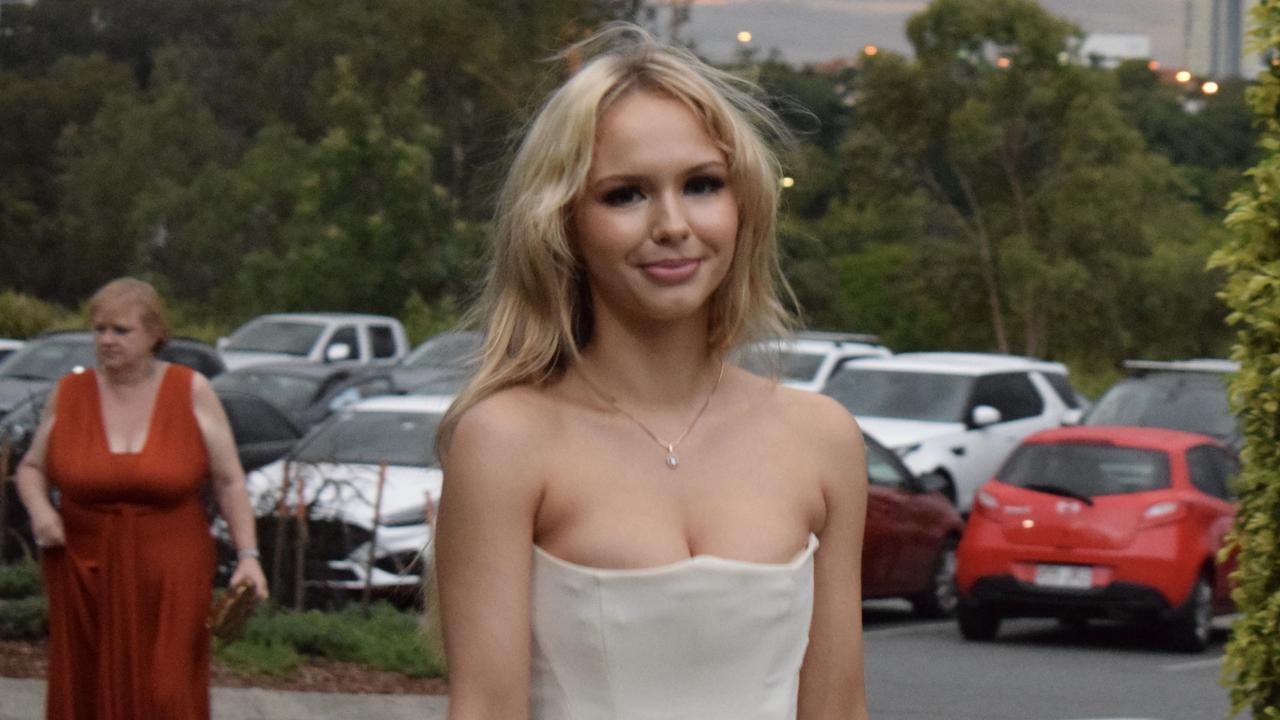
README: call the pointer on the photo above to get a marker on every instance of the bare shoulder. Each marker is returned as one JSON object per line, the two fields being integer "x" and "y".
{"x": 508, "y": 429}
{"x": 818, "y": 417}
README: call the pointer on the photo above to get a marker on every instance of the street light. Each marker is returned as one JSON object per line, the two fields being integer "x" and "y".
{"x": 1209, "y": 88}
{"x": 787, "y": 181}
{"x": 1002, "y": 62}
{"x": 744, "y": 36}
{"x": 1153, "y": 65}
{"x": 1182, "y": 76}
{"x": 870, "y": 50}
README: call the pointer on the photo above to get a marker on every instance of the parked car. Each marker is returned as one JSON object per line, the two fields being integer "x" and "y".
{"x": 8, "y": 346}
{"x": 807, "y": 360}
{"x": 954, "y": 417}
{"x": 43, "y": 361}
{"x": 1114, "y": 522}
{"x": 379, "y": 448}
{"x": 909, "y": 545}
{"x": 441, "y": 365}
{"x": 317, "y": 338}
{"x": 307, "y": 392}
{"x": 1188, "y": 395}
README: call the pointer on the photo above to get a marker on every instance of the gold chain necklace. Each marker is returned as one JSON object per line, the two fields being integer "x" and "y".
{"x": 673, "y": 460}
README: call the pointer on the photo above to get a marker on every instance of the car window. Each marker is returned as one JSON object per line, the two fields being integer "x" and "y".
{"x": 49, "y": 359}
{"x": 291, "y": 393}
{"x": 882, "y": 470}
{"x": 1012, "y": 394}
{"x": 1062, "y": 388}
{"x": 374, "y": 437}
{"x": 254, "y": 420}
{"x": 790, "y": 365}
{"x": 448, "y": 350}
{"x": 1087, "y": 469}
{"x": 1209, "y": 473}
{"x": 932, "y": 397}
{"x": 1190, "y": 402}
{"x": 200, "y": 360}
{"x": 346, "y": 335}
{"x": 290, "y": 337}
{"x": 382, "y": 341}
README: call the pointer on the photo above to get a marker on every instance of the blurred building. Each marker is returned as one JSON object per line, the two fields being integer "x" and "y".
{"x": 1109, "y": 50}
{"x": 1217, "y": 36}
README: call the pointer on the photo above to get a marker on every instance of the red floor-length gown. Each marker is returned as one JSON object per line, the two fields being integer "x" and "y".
{"x": 130, "y": 591}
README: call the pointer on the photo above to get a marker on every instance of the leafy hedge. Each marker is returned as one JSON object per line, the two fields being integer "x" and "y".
{"x": 24, "y": 615}
{"x": 1252, "y": 292}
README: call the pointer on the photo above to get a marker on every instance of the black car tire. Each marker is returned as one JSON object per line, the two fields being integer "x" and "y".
{"x": 976, "y": 622}
{"x": 941, "y": 597}
{"x": 1192, "y": 627}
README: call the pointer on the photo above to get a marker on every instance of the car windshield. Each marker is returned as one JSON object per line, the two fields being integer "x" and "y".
{"x": 450, "y": 350}
{"x": 1086, "y": 469}
{"x": 288, "y": 392}
{"x": 790, "y": 365}
{"x": 289, "y": 337}
{"x": 1193, "y": 403}
{"x": 374, "y": 437}
{"x": 932, "y": 397}
{"x": 48, "y": 360}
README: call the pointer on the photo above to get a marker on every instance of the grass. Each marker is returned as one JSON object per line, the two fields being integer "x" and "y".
{"x": 383, "y": 638}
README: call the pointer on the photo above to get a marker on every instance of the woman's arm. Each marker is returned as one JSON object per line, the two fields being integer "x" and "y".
{"x": 831, "y": 680}
{"x": 33, "y": 484}
{"x": 484, "y": 554}
{"x": 228, "y": 483}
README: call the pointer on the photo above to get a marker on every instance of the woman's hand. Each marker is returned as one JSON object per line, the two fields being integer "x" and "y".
{"x": 249, "y": 571}
{"x": 46, "y": 527}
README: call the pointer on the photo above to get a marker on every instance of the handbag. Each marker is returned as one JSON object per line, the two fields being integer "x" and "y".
{"x": 231, "y": 612}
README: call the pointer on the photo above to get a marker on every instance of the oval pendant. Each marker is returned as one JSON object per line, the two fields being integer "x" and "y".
{"x": 672, "y": 460}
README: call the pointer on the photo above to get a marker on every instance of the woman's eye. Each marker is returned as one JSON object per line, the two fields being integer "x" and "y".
{"x": 622, "y": 195}
{"x": 703, "y": 185}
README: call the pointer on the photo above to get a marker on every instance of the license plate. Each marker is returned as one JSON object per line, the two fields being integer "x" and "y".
{"x": 1075, "y": 577}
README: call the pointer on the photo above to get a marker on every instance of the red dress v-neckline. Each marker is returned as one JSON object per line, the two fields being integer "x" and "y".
{"x": 151, "y": 417}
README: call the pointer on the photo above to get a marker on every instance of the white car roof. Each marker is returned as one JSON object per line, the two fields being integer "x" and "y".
{"x": 404, "y": 403}
{"x": 322, "y": 317}
{"x": 11, "y": 344}
{"x": 958, "y": 363}
{"x": 1206, "y": 365}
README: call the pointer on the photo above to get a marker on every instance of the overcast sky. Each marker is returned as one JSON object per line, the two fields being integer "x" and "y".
{"x": 806, "y": 31}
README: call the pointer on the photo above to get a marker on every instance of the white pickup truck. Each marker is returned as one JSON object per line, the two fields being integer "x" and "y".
{"x": 315, "y": 337}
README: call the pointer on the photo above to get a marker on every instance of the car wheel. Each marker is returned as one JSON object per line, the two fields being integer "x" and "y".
{"x": 941, "y": 597}
{"x": 977, "y": 622}
{"x": 1192, "y": 627}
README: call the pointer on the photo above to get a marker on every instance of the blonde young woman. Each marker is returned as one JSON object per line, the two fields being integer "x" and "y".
{"x": 631, "y": 527}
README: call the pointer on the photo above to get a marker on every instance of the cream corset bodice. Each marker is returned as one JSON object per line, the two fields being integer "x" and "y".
{"x": 705, "y": 638}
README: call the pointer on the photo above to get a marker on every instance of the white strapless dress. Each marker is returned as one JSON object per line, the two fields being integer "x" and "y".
{"x": 705, "y": 639}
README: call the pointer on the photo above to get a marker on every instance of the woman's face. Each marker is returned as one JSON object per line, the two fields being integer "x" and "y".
{"x": 120, "y": 338}
{"x": 656, "y": 224}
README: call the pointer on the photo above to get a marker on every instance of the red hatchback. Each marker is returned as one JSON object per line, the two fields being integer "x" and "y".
{"x": 1101, "y": 522}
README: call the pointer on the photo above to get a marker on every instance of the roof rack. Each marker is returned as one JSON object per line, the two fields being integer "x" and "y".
{"x": 838, "y": 337}
{"x": 1201, "y": 365}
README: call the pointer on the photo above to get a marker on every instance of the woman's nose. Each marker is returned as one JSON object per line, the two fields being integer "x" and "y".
{"x": 671, "y": 223}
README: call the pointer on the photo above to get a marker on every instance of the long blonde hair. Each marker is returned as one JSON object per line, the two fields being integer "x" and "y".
{"x": 536, "y": 309}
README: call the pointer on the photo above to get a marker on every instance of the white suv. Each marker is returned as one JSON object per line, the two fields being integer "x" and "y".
{"x": 954, "y": 417}
{"x": 315, "y": 337}
{"x": 807, "y": 360}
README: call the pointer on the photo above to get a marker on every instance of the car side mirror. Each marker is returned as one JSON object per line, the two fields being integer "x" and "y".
{"x": 337, "y": 352}
{"x": 1072, "y": 416}
{"x": 984, "y": 415}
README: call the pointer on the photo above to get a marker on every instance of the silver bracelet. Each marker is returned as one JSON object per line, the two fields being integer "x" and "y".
{"x": 249, "y": 552}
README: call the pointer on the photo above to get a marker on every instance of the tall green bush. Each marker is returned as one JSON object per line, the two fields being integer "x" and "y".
{"x": 23, "y": 316}
{"x": 1252, "y": 291}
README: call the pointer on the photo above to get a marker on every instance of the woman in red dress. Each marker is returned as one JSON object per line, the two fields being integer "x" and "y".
{"x": 127, "y": 556}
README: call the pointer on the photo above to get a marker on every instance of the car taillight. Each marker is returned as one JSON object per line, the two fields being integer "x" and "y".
{"x": 1163, "y": 512}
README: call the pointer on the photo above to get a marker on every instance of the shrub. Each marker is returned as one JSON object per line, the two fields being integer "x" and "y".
{"x": 19, "y": 580}
{"x": 382, "y": 638}
{"x": 1252, "y": 292}
{"x": 24, "y": 316}
{"x": 24, "y": 618}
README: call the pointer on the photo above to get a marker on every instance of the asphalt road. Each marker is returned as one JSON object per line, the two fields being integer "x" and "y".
{"x": 1035, "y": 669}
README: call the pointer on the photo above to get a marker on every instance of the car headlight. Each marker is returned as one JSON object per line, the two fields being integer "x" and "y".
{"x": 906, "y": 450}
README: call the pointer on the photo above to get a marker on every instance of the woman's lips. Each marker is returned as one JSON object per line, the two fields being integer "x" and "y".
{"x": 670, "y": 272}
